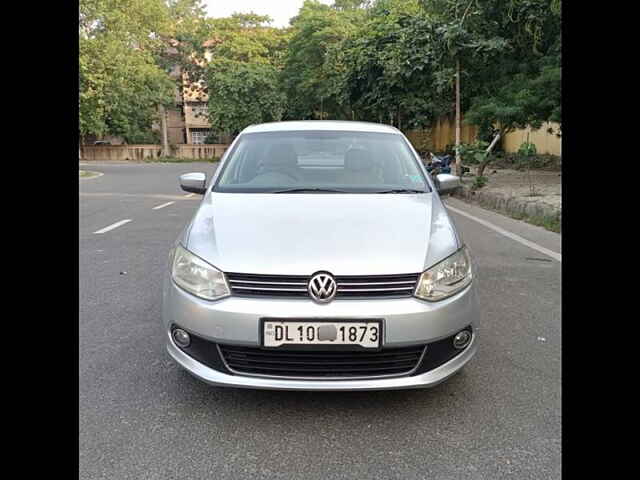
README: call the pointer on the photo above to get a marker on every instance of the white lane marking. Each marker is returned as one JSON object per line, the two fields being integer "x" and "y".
{"x": 189, "y": 195}
{"x": 162, "y": 206}
{"x": 112, "y": 226}
{"x": 512, "y": 236}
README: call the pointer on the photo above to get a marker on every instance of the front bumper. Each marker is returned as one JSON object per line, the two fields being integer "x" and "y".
{"x": 236, "y": 321}
{"x": 220, "y": 379}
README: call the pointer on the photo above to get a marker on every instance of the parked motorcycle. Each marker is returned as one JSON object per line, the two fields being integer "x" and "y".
{"x": 436, "y": 165}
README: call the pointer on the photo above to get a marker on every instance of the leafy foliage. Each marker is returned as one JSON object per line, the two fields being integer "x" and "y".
{"x": 479, "y": 182}
{"x": 523, "y": 86}
{"x": 120, "y": 83}
{"x": 247, "y": 56}
{"x": 314, "y": 65}
{"x": 475, "y": 152}
{"x": 527, "y": 149}
{"x": 245, "y": 93}
{"x": 390, "y": 61}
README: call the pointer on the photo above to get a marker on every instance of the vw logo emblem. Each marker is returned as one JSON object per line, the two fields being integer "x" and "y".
{"x": 322, "y": 287}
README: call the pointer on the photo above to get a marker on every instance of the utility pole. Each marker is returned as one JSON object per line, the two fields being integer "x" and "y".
{"x": 458, "y": 159}
{"x": 165, "y": 140}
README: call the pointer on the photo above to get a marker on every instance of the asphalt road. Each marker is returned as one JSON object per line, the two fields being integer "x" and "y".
{"x": 142, "y": 417}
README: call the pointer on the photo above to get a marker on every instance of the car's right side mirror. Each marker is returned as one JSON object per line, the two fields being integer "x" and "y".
{"x": 446, "y": 183}
{"x": 194, "y": 182}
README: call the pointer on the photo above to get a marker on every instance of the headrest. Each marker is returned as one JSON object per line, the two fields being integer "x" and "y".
{"x": 280, "y": 155}
{"x": 358, "y": 159}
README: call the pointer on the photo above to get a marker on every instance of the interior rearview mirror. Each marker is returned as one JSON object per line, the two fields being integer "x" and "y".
{"x": 194, "y": 182}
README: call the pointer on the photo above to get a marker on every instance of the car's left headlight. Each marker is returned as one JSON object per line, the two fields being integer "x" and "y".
{"x": 196, "y": 276}
{"x": 445, "y": 278}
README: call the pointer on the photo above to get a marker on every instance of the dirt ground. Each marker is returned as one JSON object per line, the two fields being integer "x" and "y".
{"x": 538, "y": 185}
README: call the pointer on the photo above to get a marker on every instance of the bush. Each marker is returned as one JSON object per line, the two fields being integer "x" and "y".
{"x": 151, "y": 137}
{"x": 473, "y": 153}
{"x": 527, "y": 149}
{"x": 479, "y": 182}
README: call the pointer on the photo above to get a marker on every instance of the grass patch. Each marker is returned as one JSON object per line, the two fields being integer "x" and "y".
{"x": 548, "y": 222}
{"x": 88, "y": 174}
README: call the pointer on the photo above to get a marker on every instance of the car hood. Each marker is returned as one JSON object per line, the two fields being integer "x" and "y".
{"x": 300, "y": 234}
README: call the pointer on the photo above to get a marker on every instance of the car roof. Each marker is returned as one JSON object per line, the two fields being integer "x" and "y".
{"x": 333, "y": 125}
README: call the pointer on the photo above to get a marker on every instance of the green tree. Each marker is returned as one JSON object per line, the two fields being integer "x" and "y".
{"x": 248, "y": 38}
{"x": 523, "y": 86}
{"x": 390, "y": 74}
{"x": 121, "y": 86}
{"x": 313, "y": 72}
{"x": 244, "y": 93}
{"x": 467, "y": 41}
{"x": 183, "y": 51}
{"x": 243, "y": 73}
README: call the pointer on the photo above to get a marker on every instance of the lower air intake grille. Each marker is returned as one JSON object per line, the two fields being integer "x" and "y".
{"x": 321, "y": 364}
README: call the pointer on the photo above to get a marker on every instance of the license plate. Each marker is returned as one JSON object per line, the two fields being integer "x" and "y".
{"x": 365, "y": 333}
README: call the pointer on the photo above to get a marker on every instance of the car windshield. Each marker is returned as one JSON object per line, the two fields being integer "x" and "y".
{"x": 321, "y": 162}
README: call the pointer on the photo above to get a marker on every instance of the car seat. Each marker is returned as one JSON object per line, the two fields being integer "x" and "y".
{"x": 359, "y": 168}
{"x": 280, "y": 161}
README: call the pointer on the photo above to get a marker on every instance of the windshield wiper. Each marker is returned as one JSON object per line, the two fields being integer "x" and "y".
{"x": 303, "y": 190}
{"x": 402, "y": 190}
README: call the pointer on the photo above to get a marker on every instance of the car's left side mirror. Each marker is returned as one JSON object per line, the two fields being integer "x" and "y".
{"x": 194, "y": 182}
{"x": 446, "y": 183}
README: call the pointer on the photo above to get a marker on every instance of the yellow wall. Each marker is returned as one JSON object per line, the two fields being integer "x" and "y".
{"x": 440, "y": 135}
{"x": 443, "y": 133}
{"x": 544, "y": 141}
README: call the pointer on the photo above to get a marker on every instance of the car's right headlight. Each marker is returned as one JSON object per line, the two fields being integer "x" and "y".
{"x": 445, "y": 278}
{"x": 196, "y": 276}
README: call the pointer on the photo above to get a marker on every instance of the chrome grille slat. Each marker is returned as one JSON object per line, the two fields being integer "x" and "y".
{"x": 348, "y": 286}
{"x": 267, "y": 283}
{"x": 375, "y": 289}
{"x": 275, "y": 289}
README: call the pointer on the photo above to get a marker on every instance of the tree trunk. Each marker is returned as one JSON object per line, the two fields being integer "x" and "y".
{"x": 487, "y": 154}
{"x": 458, "y": 159}
{"x": 165, "y": 140}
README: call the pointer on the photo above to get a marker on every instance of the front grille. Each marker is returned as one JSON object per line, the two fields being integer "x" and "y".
{"x": 352, "y": 286}
{"x": 321, "y": 364}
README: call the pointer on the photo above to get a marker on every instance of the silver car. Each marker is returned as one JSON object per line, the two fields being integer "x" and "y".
{"x": 320, "y": 258}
